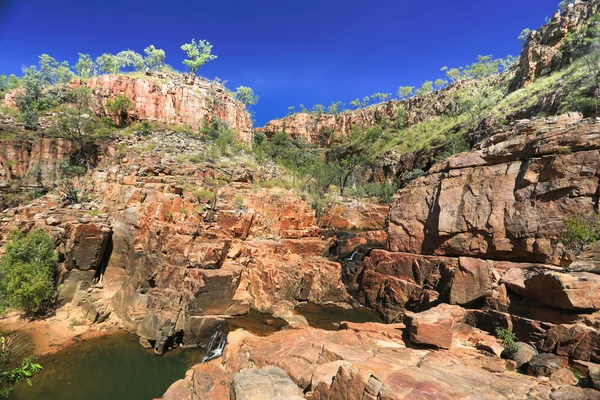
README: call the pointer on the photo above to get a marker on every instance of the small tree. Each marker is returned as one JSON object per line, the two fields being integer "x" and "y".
{"x": 404, "y": 92}
{"x": 355, "y": 103}
{"x": 27, "y": 272}
{"x": 581, "y": 231}
{"x": 246, "y": 95}
{"x": 564, "y": 4}
{"x": 155, "y": 58}
{"x": 30, "y": 100}
{"x": 120, "y": 107}
{"x": 426, "y": 88}
{"x": 85, "y": 65}
{"x": 130, "y": 60}
{"x": 198, "y": 54}
{"x": 107, "y": 63}
{"x": 524, "y": 36}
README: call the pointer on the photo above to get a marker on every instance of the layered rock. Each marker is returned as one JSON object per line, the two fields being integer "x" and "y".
{"x": 507, "y": 200}
{"x": 172, "y": 100}
{"x": 542, "y": 52}
{"x": 321, "y": 128}
{"x": 359, "y": 362}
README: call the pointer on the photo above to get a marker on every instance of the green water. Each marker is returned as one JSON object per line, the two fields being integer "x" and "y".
{"x": 115, "y": 367}
{"x": 328, "y": 317}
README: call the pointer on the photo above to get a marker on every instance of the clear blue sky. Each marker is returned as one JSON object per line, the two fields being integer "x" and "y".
{"x": 289, "y": 52}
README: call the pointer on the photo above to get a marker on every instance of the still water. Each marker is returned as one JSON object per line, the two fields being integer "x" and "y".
{"x": 114, "y": 367}
{"x": 328, "y": 317}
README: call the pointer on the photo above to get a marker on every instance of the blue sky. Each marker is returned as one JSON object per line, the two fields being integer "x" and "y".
{"x": 289, "y": 52}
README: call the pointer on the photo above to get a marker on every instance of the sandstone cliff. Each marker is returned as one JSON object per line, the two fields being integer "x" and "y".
{"x": 542, "y": 52}
{"x": 170, "y": 99}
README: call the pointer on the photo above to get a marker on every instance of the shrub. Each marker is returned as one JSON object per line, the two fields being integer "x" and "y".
{"x": 22, "y": 372}
{"x": 119, "y": 107}
{"x": 238, "y": 202}
{"x": 412, "y": 175}
{"x": 204, "y": 195}
{"x": 580, "y": 231}
{"x": 27, "y": 272}
{"x": 508, "y": 339}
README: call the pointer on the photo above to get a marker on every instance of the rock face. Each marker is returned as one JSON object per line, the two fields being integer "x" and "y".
{"x": 541, "y": 53}
{"x": 32, "y": 165}
{"x": 507, "y": 200}
{"x": 172, "y": 100}
{"x": 185, "y": 265}
{"x": 320, "y": 128}
{"x": 359, "y": 363}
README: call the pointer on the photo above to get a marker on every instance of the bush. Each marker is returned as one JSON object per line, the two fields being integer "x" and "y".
{"x": 119, "y": 107}
{"x": 412, "y": 175}
{"x": 23, "y": 372}
{"x": 508, "y": 339}
{"x": 580, "y": 231}
{"x": 27, "y": 272}
{"x": 239, "y": 202}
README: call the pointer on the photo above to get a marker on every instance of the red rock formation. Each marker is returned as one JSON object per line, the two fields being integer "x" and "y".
{"x": 541, "y": 52}
{"x": 320, "y": 128}
{"x": 507, "y": 200}
{"x": 171, "y": 100}
{"x": 360, "y": 362}
{"x": 28, "y": 161}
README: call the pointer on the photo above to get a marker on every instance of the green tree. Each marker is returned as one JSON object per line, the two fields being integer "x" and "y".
{"x": 198, "y": 54}
{"x": 107, "y": 63}
{"x": 130, "y": 60}
{"x": 246, "y": 95}
{"x": 53, "y": 72}
{"x": 580, "y": 231}
{"x": 440, "y": 84}
{"x": 564, "y": 4}
{"x": 523, "y": 36}
{"x": 318, "y": 109}
{"x": 13, "y": 82}
{"x": 120, "y": 107}
{"x": 404, "y": 92}
{"x": 291, "y": 110}
{"x": 30, "y": 100}
{"x": 85, "y": 66}
{"x": 355, "y": 103}
{"x": 335, "y": 107}
{"x": 426, "y": 88}
{"x": 155, "y": 58}
{"x": 28, "y": 270}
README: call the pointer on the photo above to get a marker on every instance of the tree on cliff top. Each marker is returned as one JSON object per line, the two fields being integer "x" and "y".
{"x": 155, "y": 58}
{"x": 246, "y": 95}
{"x": 198, "y": 54}
{"x": 27, "y": 272}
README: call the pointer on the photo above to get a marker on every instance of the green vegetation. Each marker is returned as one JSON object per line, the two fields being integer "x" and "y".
{"x": 508, "y": 340}
{"x": 9, "y": 373}
{"x": 198, "y": 54}
{"x": 120, "y": 107}
{"x": 27, "y": 272}
{"x": 581, "y": 231}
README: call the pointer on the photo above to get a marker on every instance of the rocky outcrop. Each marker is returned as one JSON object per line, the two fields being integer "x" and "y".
{"x": 27, "y": 165}
{"x": 321, "y": 128}
{"x": 360, "y": 362}
{"x": 506, "y": 200}
{"x": 542, "y": 52}
{"x": 83, "y": 238}
{"x": 172, "y": 100}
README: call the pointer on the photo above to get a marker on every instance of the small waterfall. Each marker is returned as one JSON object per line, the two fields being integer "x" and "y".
{"x": 352, "y": 256}
{"x": 216, "y": 345}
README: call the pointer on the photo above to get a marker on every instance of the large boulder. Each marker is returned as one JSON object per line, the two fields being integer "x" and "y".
{"x": 266, "y": 383}
{"x": 434, "y": 327}
{"x": 574, "y": 291}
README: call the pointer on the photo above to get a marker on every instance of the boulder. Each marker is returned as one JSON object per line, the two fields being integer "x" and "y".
{"x": 266, "y": 383}
{"x": 545, "y": 364}
{"x": 522, "y": 356}
{"x": 575, "y": 291}
{"x": 434, "y": 327}
{"x": 471, "y": 281}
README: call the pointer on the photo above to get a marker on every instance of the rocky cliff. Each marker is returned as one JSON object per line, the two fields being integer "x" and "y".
{"x": 542, "y": 52}
{"x": 171, "y": 99}
{"x": 321, "y": 128}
